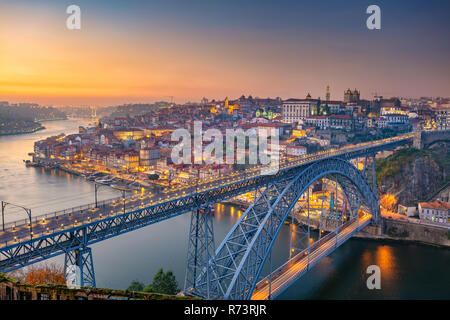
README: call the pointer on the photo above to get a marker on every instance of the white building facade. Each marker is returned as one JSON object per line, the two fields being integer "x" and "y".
{"x": 297, "y": 110}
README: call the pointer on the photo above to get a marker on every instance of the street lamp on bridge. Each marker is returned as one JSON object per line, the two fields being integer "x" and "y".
{"x": 27, "y": 210}
{"x": 98, "y": 185}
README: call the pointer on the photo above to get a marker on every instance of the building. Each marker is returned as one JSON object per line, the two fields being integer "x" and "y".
{"x": 321, "y": 122}
{"x": 396, "y": 120}
{"x": 132, "y": 133}
{"x": 443, "y": 117}
{"x": 344, "y": 122}
{"x": 295, "y": 151}
{"x": 437, "y": 212}
{"x": 159, "y": 131}
{"x": 393, "y": 110}
{"x": 351, "y": 96}
{"x": 148, "y": 156}
{"x": 297, "y": 110}
{"x": 407, "y": 211}
{"x": 334, "y": 106}
{"x": 122, "y": 159}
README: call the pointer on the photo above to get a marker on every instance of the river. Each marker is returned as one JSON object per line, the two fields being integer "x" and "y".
{"x": 408, "y": 271}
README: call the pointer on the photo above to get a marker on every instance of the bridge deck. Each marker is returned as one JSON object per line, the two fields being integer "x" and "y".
{"x": 301, "y": 263}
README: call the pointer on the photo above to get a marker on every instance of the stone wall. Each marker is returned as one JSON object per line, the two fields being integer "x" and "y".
{"x": 11, "y": 289}
{"x": 425, "y": 138}
{"x": 400, "y": 230}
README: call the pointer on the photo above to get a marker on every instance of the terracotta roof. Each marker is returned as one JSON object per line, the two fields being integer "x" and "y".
{"x": 435, "y": 205}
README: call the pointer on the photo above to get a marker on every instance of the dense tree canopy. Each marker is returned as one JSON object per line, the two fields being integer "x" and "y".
{"x": 165, "y": 283}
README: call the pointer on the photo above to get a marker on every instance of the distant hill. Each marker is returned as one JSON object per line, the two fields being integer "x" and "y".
{"x": 25, "y": 117}
{"x": 131, "y": 110}
{"x": 29, "y": 112}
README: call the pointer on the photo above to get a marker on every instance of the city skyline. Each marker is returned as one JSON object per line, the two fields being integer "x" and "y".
{"x": 143, "y": 52}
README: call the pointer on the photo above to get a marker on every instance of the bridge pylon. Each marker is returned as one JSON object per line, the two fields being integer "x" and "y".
{"x": 200, "y": 250}
{"x": 369, "y": 172}
{"x": 81, "y": 259}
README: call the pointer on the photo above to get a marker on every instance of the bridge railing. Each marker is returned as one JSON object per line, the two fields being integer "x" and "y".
{"x": 38, "y": 218}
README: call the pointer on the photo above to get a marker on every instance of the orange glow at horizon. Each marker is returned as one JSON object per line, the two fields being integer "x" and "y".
{"x": 40, "y": 60}
{"x": 123, "y": 58}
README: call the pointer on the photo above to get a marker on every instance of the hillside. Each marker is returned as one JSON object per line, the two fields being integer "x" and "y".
{"x": 412, "y": 174}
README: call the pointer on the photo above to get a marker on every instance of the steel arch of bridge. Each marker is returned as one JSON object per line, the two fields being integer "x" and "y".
{"x": 238, "y": 262}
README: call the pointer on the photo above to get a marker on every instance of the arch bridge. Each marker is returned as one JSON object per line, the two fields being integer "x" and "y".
{"x": 233, "y": 271}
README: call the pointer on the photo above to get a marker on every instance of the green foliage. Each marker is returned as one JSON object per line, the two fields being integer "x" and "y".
{"x": 135, "y": 286}
{"x": 165, "y": 283}
{"x": 360, "y": 137}
{"x": 392, "y": 165}
{"x": 149, "y": 288}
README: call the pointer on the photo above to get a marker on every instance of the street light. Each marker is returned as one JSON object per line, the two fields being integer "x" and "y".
{"x": 27, "y": 210}
{"x": 96, "y": 187}
{"x": 123, "y": 196}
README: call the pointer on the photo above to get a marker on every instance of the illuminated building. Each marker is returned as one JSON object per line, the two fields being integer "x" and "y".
{"x": 297, "y": 110}
{"x": 132, "y": 133}
{"x": 443, "y": 117}
{"x": 328, "y": 94}
{"x": 159, "y": 131}
{"x": 434, "y": 212}
{"x": 230, "y": 107}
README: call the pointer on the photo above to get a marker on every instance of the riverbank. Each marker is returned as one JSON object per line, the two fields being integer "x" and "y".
{"x": 20, "y": 131}
{"x": 54, "y": 119}
{"x": 37, "y": 126}
{"x": 116, "y": 182}
{"x": 413, "y": 232}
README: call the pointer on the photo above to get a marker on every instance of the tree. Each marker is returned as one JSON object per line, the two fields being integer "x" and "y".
{"x": 136, "y": 286}
{"x": 41, "y": 274}
{"x": 163, "y": 283}
{"x": 388, "y": 202}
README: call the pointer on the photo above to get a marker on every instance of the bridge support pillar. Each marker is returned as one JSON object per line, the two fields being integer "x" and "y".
{"x": 200, "y": 250}
{"x": 79, "y": 267}
{"x": 300, "y": 229}
{"x": 374, "y": 188}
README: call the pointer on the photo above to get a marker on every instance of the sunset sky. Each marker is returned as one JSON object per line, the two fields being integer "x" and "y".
{"x": 144, "y": 51}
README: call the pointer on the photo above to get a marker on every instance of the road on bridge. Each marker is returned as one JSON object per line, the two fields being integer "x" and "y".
{"x": 299, "y": 264}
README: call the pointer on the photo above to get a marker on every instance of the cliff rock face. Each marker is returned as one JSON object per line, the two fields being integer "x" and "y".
{"x": 414, "y": 175}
